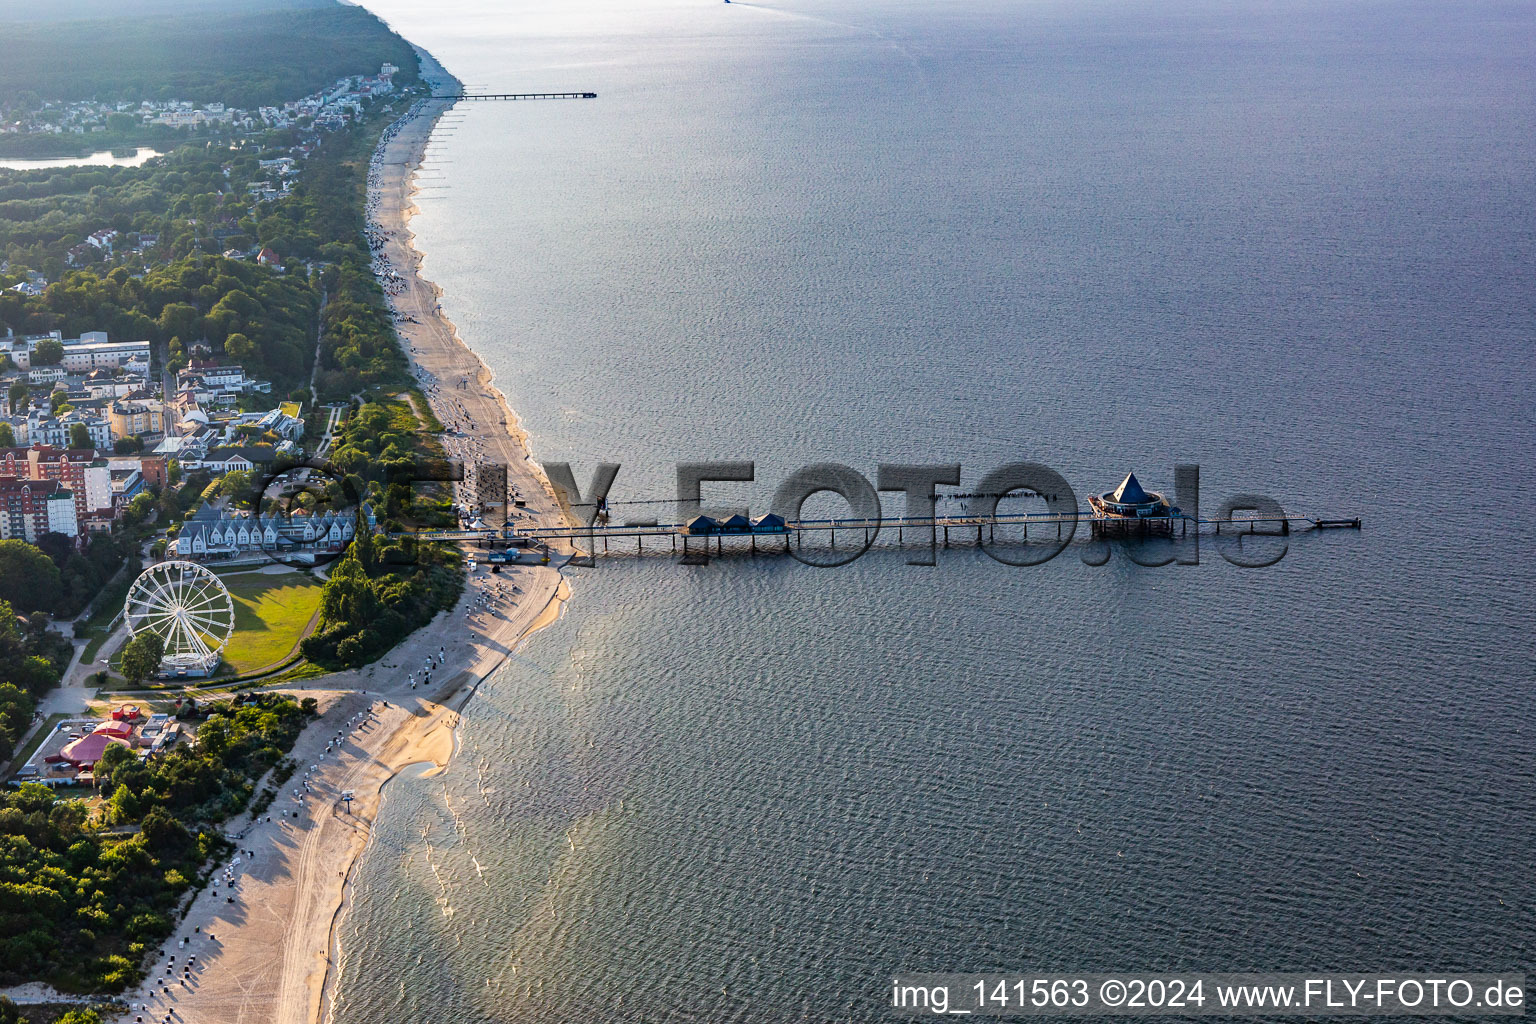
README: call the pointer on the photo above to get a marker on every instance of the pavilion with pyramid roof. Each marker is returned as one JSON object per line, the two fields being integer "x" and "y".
{"x": 1131, "y": 506}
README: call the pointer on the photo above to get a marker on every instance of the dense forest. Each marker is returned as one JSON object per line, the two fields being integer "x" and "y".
{"x": 242, "y": 58}
{"x": 80, "y": 906}
{"x": 180, "y": 292}
{"x": 91, "y": 10}
{"x": 183, "y": 198}
{"x": 55, "y": 577}
{"x": 256, "y": 317}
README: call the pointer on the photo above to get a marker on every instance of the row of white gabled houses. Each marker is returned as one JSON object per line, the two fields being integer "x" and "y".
{"x": 213, "y": 535}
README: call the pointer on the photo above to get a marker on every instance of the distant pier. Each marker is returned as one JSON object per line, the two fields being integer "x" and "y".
{"x": 517, "y": 96}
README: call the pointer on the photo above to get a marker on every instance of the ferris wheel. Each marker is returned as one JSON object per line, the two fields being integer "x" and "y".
{"x": 189, "y": 608}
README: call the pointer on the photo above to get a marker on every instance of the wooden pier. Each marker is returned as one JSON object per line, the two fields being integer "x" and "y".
{"x": 517, "y": 96}
{"x": 677, "y": 538}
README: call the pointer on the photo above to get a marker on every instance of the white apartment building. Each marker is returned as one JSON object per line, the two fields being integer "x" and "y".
{"x": 84, "y": 358}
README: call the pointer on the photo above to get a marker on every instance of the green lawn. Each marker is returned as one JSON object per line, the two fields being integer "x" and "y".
{"x": 95, "y": 635}
{"x": 94, "y": 630}
{"x": 272, "y": 614}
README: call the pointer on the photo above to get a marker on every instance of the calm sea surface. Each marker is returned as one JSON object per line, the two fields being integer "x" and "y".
{"x": 1290, "y": 242}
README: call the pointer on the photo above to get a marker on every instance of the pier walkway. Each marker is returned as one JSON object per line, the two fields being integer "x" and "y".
{"x": 908, "y": 530}
{"x": 516, "y": 96}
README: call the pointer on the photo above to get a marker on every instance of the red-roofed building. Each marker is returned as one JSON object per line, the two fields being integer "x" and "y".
{"x": 77, "y": 470}
{"x": 31, "y": 508}
{"x": 87, "y": 750}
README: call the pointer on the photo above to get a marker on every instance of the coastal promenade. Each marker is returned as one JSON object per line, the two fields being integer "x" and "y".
{"x": 270, "y": 954}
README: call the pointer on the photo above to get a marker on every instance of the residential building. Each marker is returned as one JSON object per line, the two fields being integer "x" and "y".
{"x": 31, "y": 508}
{"x": 211, "y": 375}
{"x": 126, "y": 482}
{"x": 153, "y": 469}
{"x": 45, "y": 428}
{"x": 77, "y": 471}
{"x": 233, "y": 459}
{"x": 136, "y": 416}
{"x": 211, "y": 534}
{"x": 91, "y": 351}
{"x": 104, "y": 384}
{"x": 187, "y": 449}
{"x": 83, "y": 358}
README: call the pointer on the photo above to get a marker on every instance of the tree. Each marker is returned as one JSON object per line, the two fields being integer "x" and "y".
{"x": 139, "y": 508}
{"x": 164, "y": 835}
{"x": 240, "y": 348}
{"x": 80, "y": 436}
{"x": 128, "y": 445}
{"x": 16, "y": 707}
{"x": 142, "y": 656}
{"x": 49, "y": 352}
{"x": 57, "y": 547}
{"x": 80, "y": 1017}
{"x": 347, "y": 597}
{"x": 235, "y": 483}
{"x": 180, "y": 322}
{"x": 28, "y": 578}
{"x": 111, "y": 758}
{"x": 362, "y": 541}
{"x": 19, "y": 395}
{"x": 125, "y": 806}
{"x": 7, "y": 436}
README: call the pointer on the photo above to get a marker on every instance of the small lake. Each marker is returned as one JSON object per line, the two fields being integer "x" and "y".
{"x": 105, "y": 158}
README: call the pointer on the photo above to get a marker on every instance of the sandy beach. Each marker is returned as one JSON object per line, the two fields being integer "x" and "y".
{"x": 265, "y": 934}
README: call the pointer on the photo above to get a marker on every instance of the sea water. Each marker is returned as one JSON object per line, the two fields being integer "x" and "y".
{"x": 1289, "y": 243}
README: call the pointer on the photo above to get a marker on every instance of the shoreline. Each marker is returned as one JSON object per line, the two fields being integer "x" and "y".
{"x": 435, "y": 351}
{"x": 278, "y": 956}
{"x": 331, "y": 983}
